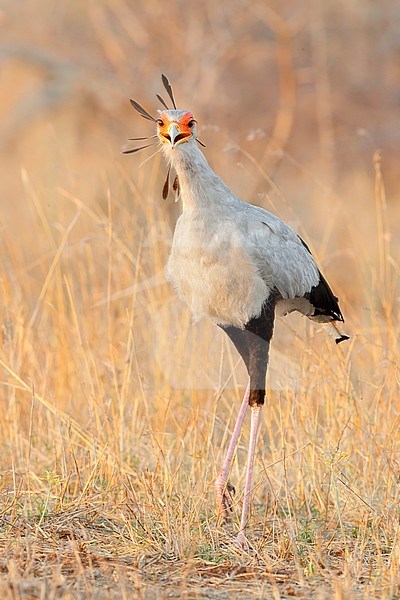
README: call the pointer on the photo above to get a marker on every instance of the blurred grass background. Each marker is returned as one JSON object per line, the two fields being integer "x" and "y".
{"x": 116, "y": 408}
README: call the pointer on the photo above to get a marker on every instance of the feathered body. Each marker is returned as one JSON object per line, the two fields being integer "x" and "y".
{"x": 228, "y": 256}
{"x": 236, "y": 264}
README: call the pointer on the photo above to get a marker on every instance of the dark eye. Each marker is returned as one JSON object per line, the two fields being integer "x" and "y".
{"x": 191, "y": 123}
{"x": 160, "y": 122}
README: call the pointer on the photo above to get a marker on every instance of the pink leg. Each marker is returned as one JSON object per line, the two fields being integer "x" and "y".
{"x": 221, "y": 483}
{"x": 255, "y": 416}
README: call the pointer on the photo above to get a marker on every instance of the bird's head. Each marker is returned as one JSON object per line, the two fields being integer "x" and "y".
{"x": 176, "y": 127}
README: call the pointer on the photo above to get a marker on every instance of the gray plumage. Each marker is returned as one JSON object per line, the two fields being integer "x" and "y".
{"x": 228, "y": 256}
{"x": 236, "y": 263}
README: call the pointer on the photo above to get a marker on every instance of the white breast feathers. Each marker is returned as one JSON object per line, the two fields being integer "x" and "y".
{"x": 212, "y": 271}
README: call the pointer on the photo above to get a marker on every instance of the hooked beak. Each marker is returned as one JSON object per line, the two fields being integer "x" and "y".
{"x": 175, "y": 135}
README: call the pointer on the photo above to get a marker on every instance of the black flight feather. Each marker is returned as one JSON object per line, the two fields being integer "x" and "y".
{"x": 168, "y": 87}
{"x": 162, "y": 101}
{"x": 322, "y": 298}
{"x": 142, "y": 111}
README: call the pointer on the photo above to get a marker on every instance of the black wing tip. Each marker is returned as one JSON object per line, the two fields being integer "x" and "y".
{"x": 336, "y": 314}
{"x": 325, "y": 303}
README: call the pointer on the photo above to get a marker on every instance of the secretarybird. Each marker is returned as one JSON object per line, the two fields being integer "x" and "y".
{"x": 236, "y": 264}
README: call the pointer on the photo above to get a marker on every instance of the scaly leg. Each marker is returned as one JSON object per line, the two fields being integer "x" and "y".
{"x": 255, "y": 416}
{"x": 223, "y": 489}
{"x": 252, "y": 343}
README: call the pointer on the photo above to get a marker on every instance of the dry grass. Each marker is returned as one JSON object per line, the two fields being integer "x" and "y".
{"x": 116, "y": 409}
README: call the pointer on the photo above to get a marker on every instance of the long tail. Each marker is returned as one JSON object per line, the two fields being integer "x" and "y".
{"x": 338, "y": 335}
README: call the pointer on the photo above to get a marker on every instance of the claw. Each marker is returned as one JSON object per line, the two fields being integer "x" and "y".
{"x": 230, "y": 489}
{"x": 240, "y": 542}
{"x": 228, "y": 496}
{"x": 224, "y": 494}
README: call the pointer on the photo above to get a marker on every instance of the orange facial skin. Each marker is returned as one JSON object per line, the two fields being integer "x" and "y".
{"x": 175, "y": 131}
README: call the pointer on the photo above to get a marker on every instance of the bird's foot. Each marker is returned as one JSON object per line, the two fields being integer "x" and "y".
{"x": 224, "y": 493}
{"x": 240, "y": 542}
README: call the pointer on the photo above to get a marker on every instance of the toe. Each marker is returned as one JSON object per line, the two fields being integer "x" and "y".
{"x": 240, "y": 542}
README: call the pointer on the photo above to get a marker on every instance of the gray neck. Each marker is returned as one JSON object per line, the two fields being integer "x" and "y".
{"x": 200, "y": 186}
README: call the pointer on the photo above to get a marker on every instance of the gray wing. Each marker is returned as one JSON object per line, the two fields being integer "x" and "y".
{"x": 287, "y": 265}
{"x": 282, "y": 258}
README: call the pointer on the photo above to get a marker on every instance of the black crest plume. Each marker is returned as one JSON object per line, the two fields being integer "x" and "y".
{"x": 176, "y": 188}
{"x": 142, "y": 111}
{"x": 161, "y": 99}
{"x": 166, "y": 185}
{"x": 135, "y": 149}
{"x": 168, "y": 88}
